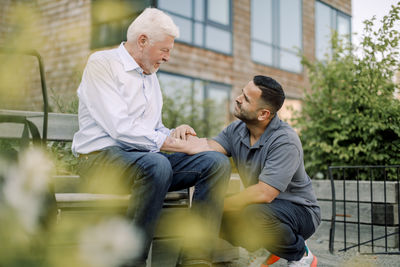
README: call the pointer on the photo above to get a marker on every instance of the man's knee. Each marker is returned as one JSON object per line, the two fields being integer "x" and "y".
{"x": 257, "y": 214}
{"x": 217, "y": 161}
{"x": 156, "y": 167}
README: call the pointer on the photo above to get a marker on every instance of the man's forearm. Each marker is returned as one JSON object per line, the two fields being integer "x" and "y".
{"x": 258, "y": 193}
{"x": 174, "y": 145}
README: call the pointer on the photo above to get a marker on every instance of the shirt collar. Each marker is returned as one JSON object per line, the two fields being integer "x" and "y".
{"x": 127, "y": 60}
{"x": 272, "y": 126}
{"x": 244, "y": 134}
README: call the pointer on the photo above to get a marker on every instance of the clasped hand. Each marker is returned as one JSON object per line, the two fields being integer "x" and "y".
{"x": 192, "y": 144}
{"x": 182, "y": 131}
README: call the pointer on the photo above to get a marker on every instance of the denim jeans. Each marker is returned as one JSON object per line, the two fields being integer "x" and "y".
{"x": 281, "y": 227}
{"x": 149, "y": 176}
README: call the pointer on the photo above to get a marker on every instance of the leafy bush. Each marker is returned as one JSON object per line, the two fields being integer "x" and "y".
{"x": 65, "y": 162}
{"x": 351, "y": 116}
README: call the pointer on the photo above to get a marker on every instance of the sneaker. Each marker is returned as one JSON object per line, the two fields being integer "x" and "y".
{"x": 310, "y": 260}
{"x": 261, "y": 258}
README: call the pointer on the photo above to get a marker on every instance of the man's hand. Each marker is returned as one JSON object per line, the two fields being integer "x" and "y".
{"x": 182, "y": 131}
{"x": 196, "y": 145}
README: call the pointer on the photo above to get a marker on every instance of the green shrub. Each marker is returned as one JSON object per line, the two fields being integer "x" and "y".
{"x": 350, "y": 115}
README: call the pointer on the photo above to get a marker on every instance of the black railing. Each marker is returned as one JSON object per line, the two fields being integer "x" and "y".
{"x": 34, "y": 53}
{"x": 370, "y": 210}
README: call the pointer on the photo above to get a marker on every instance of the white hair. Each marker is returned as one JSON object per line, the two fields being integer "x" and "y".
{"x": 154, "y": 23}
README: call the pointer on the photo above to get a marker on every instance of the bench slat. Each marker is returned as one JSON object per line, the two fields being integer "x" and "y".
{"x": 89, "y": 201}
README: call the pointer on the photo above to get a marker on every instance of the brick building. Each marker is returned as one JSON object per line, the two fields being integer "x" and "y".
{"x": 223, "y": 43}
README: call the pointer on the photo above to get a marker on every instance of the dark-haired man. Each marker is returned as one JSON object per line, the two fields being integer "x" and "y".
{"x": 278, "y": 210}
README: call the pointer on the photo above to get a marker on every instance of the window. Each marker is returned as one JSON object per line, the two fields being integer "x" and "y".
{"x": 326, "y": 20}
{"x": 203, "y": 104}
{"x": 276, "y": 33}
{"x": 202, "y": 23}
{"x": 111, "y": 19}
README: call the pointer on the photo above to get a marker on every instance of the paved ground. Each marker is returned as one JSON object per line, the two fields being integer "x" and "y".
{"x": 319, "y": 245}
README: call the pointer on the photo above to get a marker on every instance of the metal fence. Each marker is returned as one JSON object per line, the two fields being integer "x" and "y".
{"x": 365, "y": 208}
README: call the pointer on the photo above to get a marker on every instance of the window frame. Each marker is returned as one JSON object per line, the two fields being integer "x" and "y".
{"x": 275, "y": 38}
{"x": 207, "y": 84}
{"x": 204, "y": 23}
{"x": 334, "y": 15}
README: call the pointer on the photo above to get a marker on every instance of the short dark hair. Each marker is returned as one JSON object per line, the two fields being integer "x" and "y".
{"x": 271, "y": 92}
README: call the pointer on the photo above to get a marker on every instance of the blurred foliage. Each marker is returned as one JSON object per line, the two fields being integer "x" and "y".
{"x": 33, "y": 234}
{"x": 65, "y": 162}
{"x": 205, "y": 117}
{"x": 351, "y": 116}
{"x": 27, "y": 208}
{"x": 63, "y": 105}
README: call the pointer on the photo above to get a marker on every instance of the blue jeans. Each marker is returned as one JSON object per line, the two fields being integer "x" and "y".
{"x": 149, "y": 176}
{"x": 281, "y": 227}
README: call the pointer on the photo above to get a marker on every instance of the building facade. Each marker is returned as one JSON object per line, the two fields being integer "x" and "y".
{"x": 223, "y": 43}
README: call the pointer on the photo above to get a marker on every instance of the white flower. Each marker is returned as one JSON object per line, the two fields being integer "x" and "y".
{"x": 110, "y": 243}
{"x": 319, "y": 175}
{"x": 25, "y": 186}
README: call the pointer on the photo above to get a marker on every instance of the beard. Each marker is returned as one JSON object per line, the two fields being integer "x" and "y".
{"x": 152, "y": 68}
{"x": 244, "y": 115}
{"x": 149, "y": 67}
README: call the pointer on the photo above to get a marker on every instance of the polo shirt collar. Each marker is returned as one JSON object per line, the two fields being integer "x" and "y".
{"x": 272, "y": 126}
{"x": 127, "y": 60}
{"x": 245, "y": 135}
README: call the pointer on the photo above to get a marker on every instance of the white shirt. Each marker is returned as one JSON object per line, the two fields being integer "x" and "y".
{"x": 118, "y": 105}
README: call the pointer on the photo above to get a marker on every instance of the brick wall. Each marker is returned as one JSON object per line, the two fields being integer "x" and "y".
{"x": 65, "y": 28}
{"x": 342, "y": 5}
{"x": 61, "y": 35}
{"x": 67, "y": 34}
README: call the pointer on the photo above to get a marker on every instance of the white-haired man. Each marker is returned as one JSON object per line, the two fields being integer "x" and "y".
{"x": 120, "y": 125}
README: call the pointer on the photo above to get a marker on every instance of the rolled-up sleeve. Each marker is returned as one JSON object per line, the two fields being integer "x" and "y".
{"x": 161, "y": 128}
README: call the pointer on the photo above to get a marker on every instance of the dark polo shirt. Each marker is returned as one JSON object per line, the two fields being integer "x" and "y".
{"x": 276, "y": 159}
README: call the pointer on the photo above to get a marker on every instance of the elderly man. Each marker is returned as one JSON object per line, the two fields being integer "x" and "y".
{"x": 278, "y": 209}
{"x": 120, "y": 127}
